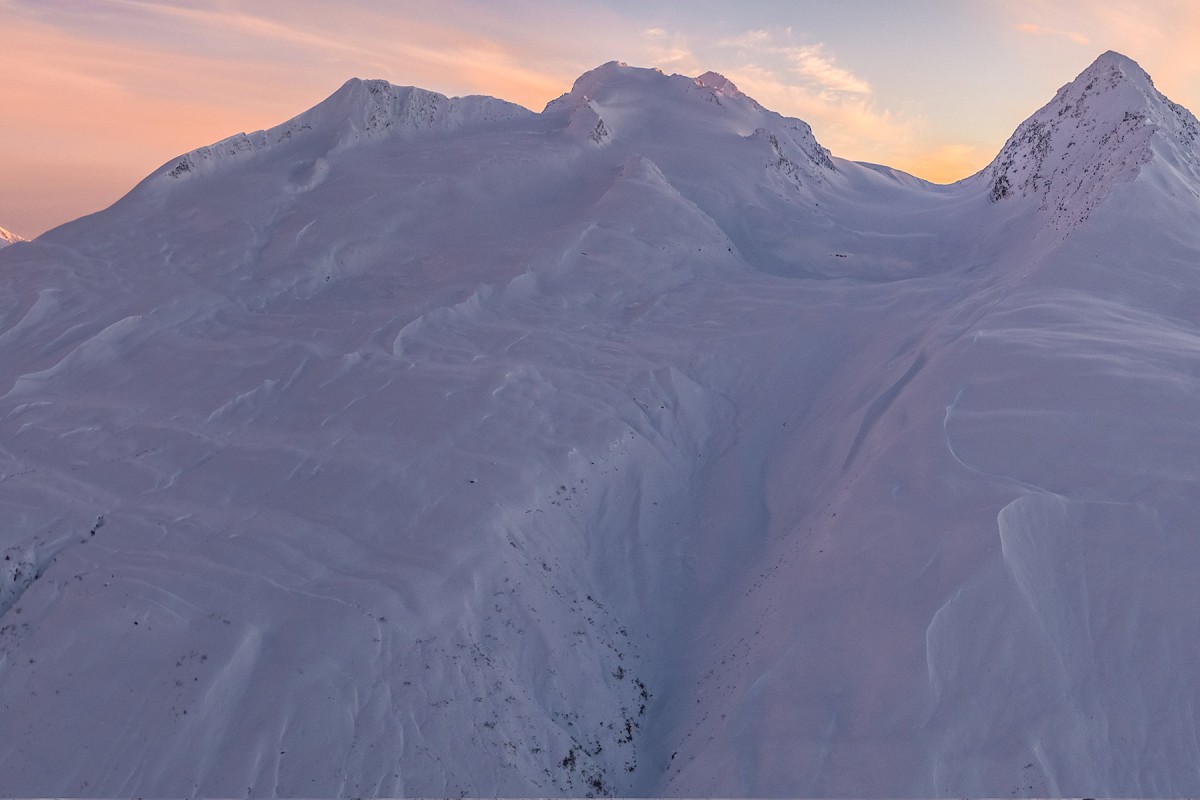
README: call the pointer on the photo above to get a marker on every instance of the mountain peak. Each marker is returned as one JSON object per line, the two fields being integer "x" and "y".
{"x": 8, "y": 237}
{"x": 1100, "y": 130}
{"x": 1114, "y": 71}
{"x": 1120, "y": 60}
{"x": 618, "y": 77}
{"x": 593, "y": 81}
{"x": 360, "y": 109}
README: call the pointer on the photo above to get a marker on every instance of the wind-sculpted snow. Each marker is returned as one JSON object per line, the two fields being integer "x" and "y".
{"x": 637, "y": 447}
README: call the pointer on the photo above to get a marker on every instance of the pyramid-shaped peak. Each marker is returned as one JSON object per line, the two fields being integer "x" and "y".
{"x": 1116, "y": 77}
{"x": 8, "y": 237}
{"x": 1111, "y": 58}
{"x": 1100, "y": 130}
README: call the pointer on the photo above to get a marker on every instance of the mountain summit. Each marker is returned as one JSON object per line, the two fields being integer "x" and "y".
{"x": 646, "y": 107}
{"x": 360, "y": 110}
{"x": 8, "y": 237}
{"x": 1100, "y": 130}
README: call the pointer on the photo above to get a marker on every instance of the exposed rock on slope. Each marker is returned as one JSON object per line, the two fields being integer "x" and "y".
{"x": 1100, "y": 130}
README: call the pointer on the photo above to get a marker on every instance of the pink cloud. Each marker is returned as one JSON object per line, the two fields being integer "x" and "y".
{"x": 1040, "y": 30}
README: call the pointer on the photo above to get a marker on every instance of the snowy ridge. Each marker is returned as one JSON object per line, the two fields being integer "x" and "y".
{"x": 581, "y": 112}
{"x": 616, "y": 98}
{"x": 792, "y": 140}
{"x": 1100, "y": 130}
{"x": 359, "y": 110}
{"x": 793, "y": 157}
{"x": 8, "y": 237}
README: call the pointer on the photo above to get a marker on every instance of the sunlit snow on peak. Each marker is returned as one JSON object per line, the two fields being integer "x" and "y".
{"x": 1099, "y": 131}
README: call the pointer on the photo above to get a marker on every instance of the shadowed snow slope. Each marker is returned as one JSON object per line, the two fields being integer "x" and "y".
{"x": 427, "y": 445}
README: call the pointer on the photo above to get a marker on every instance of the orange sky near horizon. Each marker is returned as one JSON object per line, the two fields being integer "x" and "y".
{"x": 98, "y": 94}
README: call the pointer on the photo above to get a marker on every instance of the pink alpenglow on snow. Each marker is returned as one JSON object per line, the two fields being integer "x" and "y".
{"x": 640, "y": 446}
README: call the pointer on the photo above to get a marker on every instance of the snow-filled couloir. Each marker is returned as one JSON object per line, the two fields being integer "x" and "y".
{"x": 639, "y": 446}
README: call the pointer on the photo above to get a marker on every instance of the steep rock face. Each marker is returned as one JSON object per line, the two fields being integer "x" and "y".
{"x": 1100, "y": 130}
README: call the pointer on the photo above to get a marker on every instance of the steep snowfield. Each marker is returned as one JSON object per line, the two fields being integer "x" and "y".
{"x": 434, "y": 446}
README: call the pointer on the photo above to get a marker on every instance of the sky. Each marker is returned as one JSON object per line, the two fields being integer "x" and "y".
{"x": 96, "y": 94}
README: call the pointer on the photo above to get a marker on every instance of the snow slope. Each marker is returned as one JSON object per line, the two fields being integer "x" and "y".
{"x": 640, "y": 446}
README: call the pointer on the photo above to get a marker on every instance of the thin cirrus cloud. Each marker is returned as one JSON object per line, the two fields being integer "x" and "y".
{"x": 809, "y": 63}
{"x": 663, "y": 49}
{"x": 805, "y": 80}
{"x": 1162, "y": 35}
{"x": 349, "y": 40}
{"x": 1041, "y": 30}
{"x": 423, "y": 50}
{"x": 1166, "y": 35}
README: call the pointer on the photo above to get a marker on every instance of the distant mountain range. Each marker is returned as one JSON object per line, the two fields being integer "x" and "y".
{"x": 640, "y": 446}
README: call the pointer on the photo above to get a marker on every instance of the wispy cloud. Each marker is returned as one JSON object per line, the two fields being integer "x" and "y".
{"x": 1160, "y": 34}
{"x": 667, "y": 50}
{"x": 756, "y": 38}
{"x": 1041, "y": 30}
{"x": 810, "y": 63}
{"x": 799, "y": 78}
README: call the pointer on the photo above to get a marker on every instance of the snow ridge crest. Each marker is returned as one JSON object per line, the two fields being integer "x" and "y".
{"x": 359, "y": 110}
{"x": 8, "y": 237}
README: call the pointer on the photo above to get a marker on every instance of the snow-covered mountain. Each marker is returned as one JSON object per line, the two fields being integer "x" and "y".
{"x": 638, "y": 446}
{"x": 1098, "y": 131}
{"x": 8, "y": 237}
{"x": 360, "y": 110}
